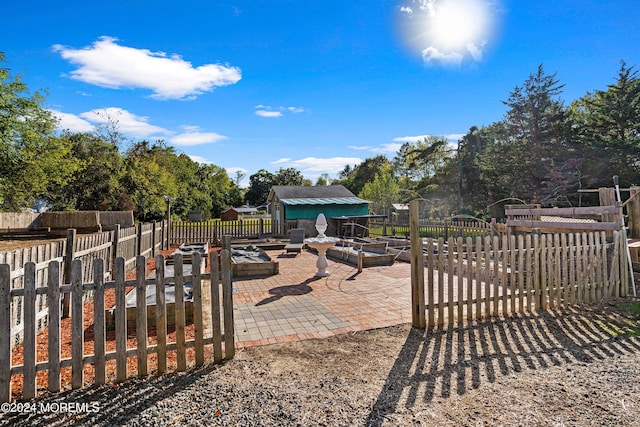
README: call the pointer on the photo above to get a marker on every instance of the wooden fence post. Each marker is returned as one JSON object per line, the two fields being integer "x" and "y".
{"x": 633, "y": 210}
{"x": 227, "y": 300}
{"x": 417, "y": 268}
{"x": 5, "y": 333}
{"x": 66, "y": 278}
{"x": 116, "y": 241}
{"x": 153, "y": 240}
{"x": 139, "y": 240}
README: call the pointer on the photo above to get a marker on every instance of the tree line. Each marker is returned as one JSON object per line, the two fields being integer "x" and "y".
{"x": 541, "y": 151}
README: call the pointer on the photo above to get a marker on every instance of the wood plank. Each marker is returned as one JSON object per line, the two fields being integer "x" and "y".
{"x": 227, "y": 299}
{"x": 572, "y": 269}
{"x": 198, "y": 320}
{"x": 441, "y": 267}
{"x": 121, "y": 320}
{"x": 479, "y": 278}
{"x": 418, "y": 319}
{"x": 460, "y": 278}
{"x": 469, "y": 284}
{"x": 496, "y": 275}
{"x": 557, "y": 286}
{"x": 537, "y": 279}
{"x": 450, "y": 279}
{"x": 605, "y": 272}
{"x": 161, "y": 315}
{"x": 5, "y": 333}
{"x": 571, "y": 212}
{"x": 530, "y": 272}
{"x": 181, "y": 356}
{"x": 29, "y": 321}
{"x": 513, "y": 278}
{"x": 579, "y": 269}
{"x": 216, "y": 325}
{"x": 558, "y": 225}
{"x": 429, "y": 301}
{"x": 141, "y": 316}
{"x": 99, "y": 329}
{"x": 53, "y": 305}
{"x": 615, "y": 268}
{"x": 521, "y": 283}
{"x": 77, "y": 326}
{"x": 502, "y": 279}
{"x": 564, "y": 271}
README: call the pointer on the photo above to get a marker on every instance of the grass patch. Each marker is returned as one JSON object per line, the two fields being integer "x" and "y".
{"x": 630, "y": 326}
{"x": 631, "y": 309}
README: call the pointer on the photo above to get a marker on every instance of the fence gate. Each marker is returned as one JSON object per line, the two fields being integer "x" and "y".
{"x": 480, "y": 277}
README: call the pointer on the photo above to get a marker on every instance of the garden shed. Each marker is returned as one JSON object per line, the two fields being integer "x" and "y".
{"x": 298, "y": 206}
{"x": 232, "y": 214}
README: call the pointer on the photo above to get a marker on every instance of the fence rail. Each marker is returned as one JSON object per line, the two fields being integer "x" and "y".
{"x": 212, "y": 231}
{"x": 483, "y": 277}
{"x": 212, "y": 319}
{"x": 107, "y": 245}
{"x": 438, "y": 228}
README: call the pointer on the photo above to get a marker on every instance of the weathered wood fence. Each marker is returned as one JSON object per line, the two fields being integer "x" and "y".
{"x": 144, "y": 239}
{"x": 212, "y": 231}
{"x": 439, "y": 228}
{"x": 213, "y": 314}
{"x": 483, "y": 277}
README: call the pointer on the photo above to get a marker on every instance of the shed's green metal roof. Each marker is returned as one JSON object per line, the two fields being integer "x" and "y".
{"x": 325, "y": 201}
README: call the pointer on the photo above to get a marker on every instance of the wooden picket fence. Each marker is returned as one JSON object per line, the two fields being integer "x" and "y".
{"x": 212, "y": 231}
{"x": 219, "y": 322}
{"x": 144, "y": 239}
{"x": 484, "y": 277}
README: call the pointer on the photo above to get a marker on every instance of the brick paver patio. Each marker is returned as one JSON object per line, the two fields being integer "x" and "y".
{"x": 295, "y": 305}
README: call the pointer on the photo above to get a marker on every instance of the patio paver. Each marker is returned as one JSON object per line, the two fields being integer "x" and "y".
{"x": 295, "y": 305}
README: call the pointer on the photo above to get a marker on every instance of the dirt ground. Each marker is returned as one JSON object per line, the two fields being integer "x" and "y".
{"x": 571, "y": 367}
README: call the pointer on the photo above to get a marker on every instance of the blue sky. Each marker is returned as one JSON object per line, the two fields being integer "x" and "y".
{"x": 313, "y": 85}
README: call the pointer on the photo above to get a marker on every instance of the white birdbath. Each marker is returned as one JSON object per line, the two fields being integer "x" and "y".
{"x": 321, "y": 243}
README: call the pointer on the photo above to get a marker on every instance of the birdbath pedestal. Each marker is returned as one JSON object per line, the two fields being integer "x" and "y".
{"x": 321, "y": 243}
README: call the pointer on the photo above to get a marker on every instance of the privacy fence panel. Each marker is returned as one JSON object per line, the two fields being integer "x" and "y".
{"x": 209, "y": 309}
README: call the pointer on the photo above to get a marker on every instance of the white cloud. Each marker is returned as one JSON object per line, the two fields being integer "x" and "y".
{"x": 194, "y": 137}
{"x": 126, "y": 122}
{"x": 433, "y": 56}
{"x": 72, "y": 122}
{"x": 311, "y": 165}
{"x": 200, "y": 159}
{"x": 406, "y": 9}
{"x": 359, "y": 147}
{"x": 281, "y": 161}
{"x": 411, "y": 139}
{"x": 414, "y": 139}
{"x": 108, "y": 64}
{"x": 454, "y": 136}
{"x": 391, "y": 147}
{"x": 231, "y": 171}
{"x": 271, "y": 114}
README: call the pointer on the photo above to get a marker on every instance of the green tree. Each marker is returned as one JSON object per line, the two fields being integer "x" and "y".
{"x": 289, "y": 176}
{"x": 95, "y": 185}
{"x": 381, "y": 192}
{"x": 365, "y": 172}
{"x": 260, "y": 184}
{"x": 606, "y": 125}
{"x": 32, "y": 159}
